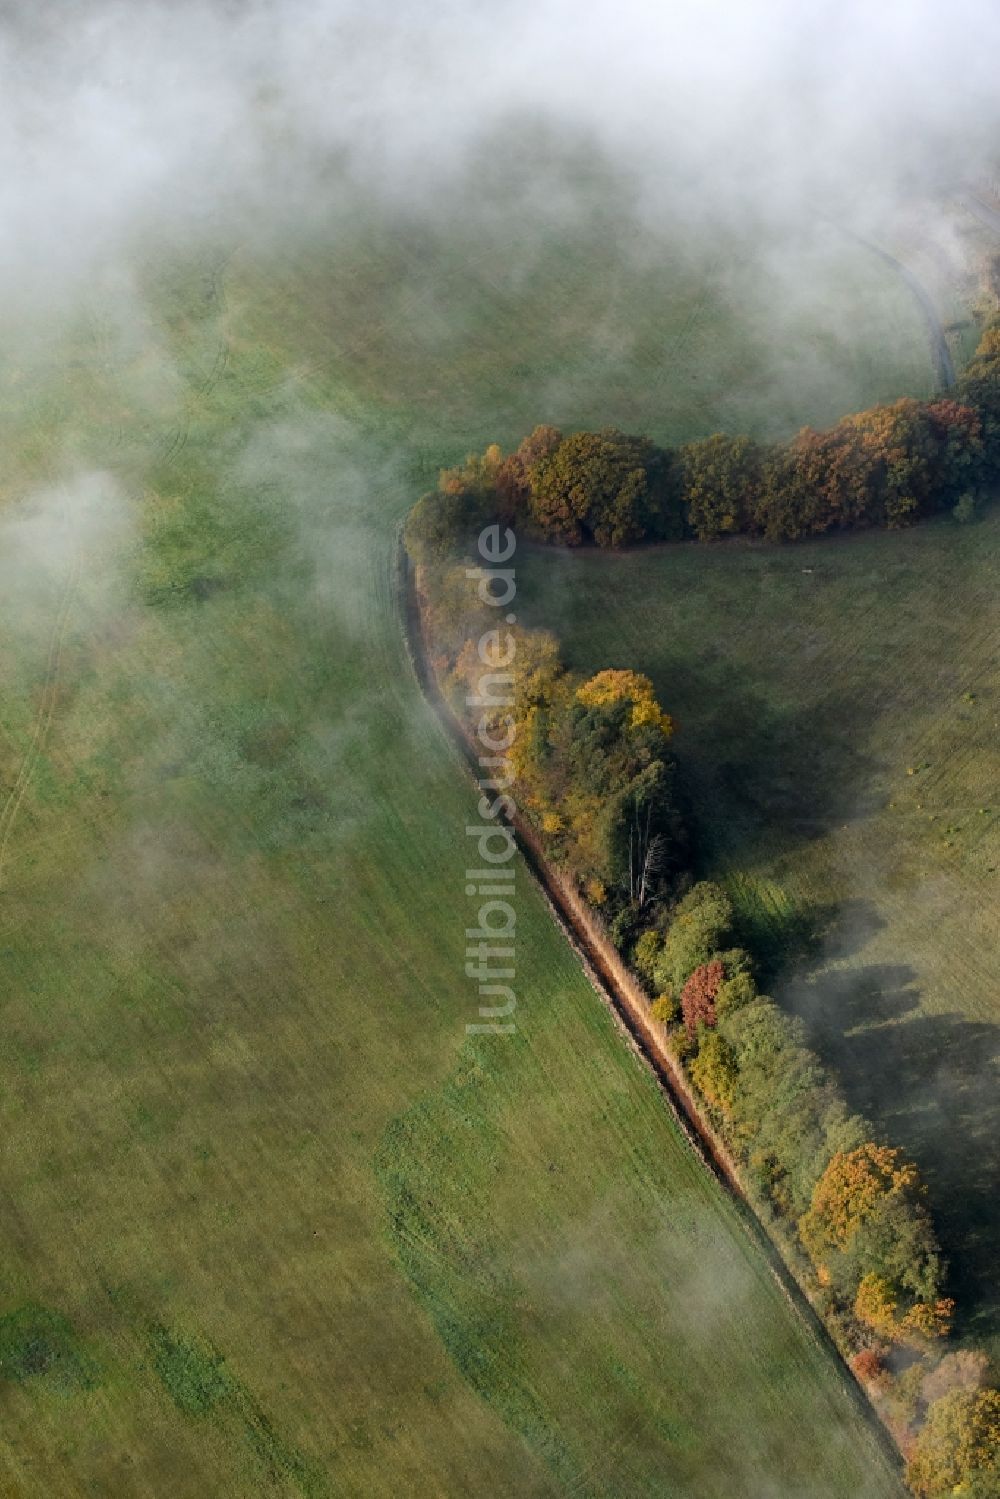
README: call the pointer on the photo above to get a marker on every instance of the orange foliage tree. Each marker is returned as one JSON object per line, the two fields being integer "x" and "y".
{"x": 850, "y": 1189}
{"x": 869, "y": 1234}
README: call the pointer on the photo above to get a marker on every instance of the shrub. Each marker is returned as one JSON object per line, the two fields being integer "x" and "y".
{"x": 869, "y": 1367}
{"x": 194, "y": 1375}
{"x": 714, "y": 1070}
{"x": 665, "y": 1009}
{"x": 37, "y": 1343}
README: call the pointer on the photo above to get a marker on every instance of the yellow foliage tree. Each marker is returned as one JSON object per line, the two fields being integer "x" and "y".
{"x": 875, "y": 1305}
{"x": 612, "y": 686}
{"x": 960, "y": 1440}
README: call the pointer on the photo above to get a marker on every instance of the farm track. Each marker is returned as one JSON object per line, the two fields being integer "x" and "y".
{"x": 944, "y": 364}
{"x": 620, "y": 992}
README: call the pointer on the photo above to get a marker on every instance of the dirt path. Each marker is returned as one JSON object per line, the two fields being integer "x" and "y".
{"x": 944, "y": 365}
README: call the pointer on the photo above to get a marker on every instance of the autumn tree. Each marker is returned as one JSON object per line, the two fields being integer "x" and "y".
{"x": 790, "y": 503}
{"x": 603, "y": 486}
{"x": 714, "y": 1071}
{"x": 612, "y": 758}
{"x": 786, "y": 1107}
{"x": 957, "y": 430}
{"x": 629, "y": 687}
{"x": 698, "y": 996}
{"x": 876, "y": 1305}
{"x": 721, "y": 482}
{"x": 664, "y": 1009}
{"x": 591, "y": 762}
{"x": 958, "y": 1445}
{"x": 979, "y": 387}
{"x": 646, "y": 952}
{"x": 881, "y": 467}
{"x": 896, "y": 462}
{"x": 850, "y": 1190}
{"x": 868, "y": 1230}
{"x": 513, "y": 480}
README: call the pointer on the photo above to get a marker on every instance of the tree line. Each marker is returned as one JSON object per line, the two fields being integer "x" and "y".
{"x": 590, "y": 764}
{"x": 884, "y": 467}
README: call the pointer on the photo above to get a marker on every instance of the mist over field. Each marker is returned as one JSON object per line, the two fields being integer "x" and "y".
{"x": 265, "y": 268}
{"x": 119, "y": 120}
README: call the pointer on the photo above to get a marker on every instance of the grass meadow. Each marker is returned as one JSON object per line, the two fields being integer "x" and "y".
{"x": 272, "y": 1223}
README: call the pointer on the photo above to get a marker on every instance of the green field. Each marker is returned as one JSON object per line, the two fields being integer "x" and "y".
{"x": 272, "y": 1224}
{"x": 839, "y": 706}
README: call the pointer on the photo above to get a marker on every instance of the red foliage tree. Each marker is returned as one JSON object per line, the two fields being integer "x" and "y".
{"x": 698, "y": 996}
{"x": 869, "y": 1367}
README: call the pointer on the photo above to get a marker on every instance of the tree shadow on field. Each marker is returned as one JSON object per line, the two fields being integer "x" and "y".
{"x": 756, "y": 766}
{"x": 930, "y": 1084}
{"x": 796, "y": 938}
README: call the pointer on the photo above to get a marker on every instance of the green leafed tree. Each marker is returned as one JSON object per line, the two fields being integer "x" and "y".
{"x": 721, "y": 480}
{"x": 603, "y": 487}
